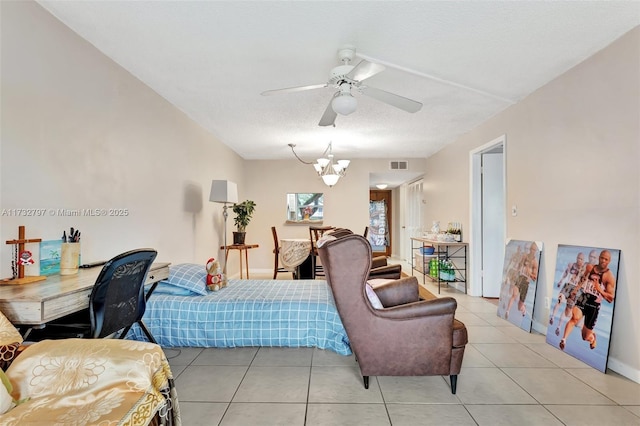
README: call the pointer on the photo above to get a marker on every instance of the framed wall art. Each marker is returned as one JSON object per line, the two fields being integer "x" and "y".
{"x": 50, "y": 257}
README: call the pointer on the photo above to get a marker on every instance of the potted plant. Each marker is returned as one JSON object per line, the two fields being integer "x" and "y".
{"x": 243, "y": 212}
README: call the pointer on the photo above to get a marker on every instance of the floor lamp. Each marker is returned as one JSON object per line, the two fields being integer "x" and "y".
{"x": 225, "y": 192}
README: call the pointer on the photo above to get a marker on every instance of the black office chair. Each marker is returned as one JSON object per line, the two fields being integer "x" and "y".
{"x": 117, "y": 302}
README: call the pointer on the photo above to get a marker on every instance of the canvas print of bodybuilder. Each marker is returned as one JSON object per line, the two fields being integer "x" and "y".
{"x": 583, "y": 298}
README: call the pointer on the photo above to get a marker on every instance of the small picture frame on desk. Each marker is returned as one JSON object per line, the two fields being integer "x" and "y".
{"x": 50, "y": 251}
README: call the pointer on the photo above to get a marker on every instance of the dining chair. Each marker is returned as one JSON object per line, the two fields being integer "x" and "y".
{"x": 315, "y": 233}
{"x": 276, "y": 254}
{"x": 117, "y": 301}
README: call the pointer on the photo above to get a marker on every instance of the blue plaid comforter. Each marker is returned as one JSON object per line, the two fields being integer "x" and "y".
{"x": 300, "y": 313}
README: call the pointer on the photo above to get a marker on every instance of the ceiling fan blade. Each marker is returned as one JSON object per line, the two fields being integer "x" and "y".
{"x": 364, "y": 70}
{"x": 397, "y": 101}
{"x": 293, "y": 89}
{"x": 329, "y": 116}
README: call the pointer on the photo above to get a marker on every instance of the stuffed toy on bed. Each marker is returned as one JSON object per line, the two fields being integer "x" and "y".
{"x": 215, "y": 279}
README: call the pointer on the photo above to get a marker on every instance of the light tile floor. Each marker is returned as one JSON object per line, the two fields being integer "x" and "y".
{"x": 509, "y": 377}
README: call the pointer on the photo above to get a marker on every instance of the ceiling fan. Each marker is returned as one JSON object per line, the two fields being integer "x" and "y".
{"x": 349, "y": 79}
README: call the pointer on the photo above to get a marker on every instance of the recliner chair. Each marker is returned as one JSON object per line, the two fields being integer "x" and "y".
{"x": 408, "y": 336}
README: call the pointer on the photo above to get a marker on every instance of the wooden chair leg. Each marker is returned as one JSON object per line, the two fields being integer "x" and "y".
{"x": 275, "y": 266}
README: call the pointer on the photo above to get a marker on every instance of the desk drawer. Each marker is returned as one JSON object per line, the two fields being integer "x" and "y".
{"x": 40, "y": 312}
{"x": 157, "y": 275}
{"x": 65, "y": 305}
{"x": 21, "y": 312}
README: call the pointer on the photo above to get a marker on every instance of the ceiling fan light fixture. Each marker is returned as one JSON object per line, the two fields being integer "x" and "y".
{"x": 344, "y": 104}
{"x": 329, "y": 170}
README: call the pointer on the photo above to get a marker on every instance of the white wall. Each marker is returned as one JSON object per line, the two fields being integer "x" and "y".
{"x": 573, "y": 156}
{"x": 79, "y": 132}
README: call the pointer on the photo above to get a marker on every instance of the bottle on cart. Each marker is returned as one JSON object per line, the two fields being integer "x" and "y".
{"x": 435, "y": 227}
{"x": 433, "y": 268}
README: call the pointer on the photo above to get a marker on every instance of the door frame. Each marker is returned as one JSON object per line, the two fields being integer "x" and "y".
{"x": 475, "y": 211}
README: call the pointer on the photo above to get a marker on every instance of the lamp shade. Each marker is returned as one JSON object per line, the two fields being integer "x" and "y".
{"x": 344, "y": 104}
{"x": 330, "y": 180}
{"x": 223, "y": 191}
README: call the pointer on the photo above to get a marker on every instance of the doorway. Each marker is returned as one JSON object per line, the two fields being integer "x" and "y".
{"x": 488, "y": 222}
{"x": 380, "y": 220}
{"x": 412, "y": 200}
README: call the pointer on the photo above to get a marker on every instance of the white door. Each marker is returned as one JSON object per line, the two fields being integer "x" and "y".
{"x": 413, "y": 217}
{"x": 493, "y": 220}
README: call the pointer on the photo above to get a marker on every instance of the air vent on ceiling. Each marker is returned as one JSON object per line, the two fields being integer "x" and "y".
{"x": 398, "y": 165}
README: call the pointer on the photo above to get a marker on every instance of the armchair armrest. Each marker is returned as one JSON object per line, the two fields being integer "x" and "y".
{"x": 378, "y": 261}
{"x": 398, "y": 292}
{"x": 423, "y": 308}
{"x": 393, "y": 272}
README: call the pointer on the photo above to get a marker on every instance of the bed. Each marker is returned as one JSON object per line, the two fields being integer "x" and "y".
{"x": 182, "y": 312}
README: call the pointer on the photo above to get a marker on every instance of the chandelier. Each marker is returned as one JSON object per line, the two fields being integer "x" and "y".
{"x": 327, "y": 168}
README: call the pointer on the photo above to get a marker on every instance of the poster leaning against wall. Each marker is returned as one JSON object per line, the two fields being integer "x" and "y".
{"x": 583, "y": 298}
{"x": 519, "y": 282}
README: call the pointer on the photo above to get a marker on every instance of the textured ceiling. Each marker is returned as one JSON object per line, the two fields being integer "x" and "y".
{"x": 465, "y": 61}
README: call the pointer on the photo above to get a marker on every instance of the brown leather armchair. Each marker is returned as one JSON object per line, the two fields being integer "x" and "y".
{"x": 409, "y": 336}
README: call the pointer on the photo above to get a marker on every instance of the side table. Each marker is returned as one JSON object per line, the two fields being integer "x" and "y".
{"x": 240, "y": 248}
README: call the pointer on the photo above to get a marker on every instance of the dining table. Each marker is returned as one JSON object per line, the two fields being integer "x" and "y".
{"x": 293, "y": 252}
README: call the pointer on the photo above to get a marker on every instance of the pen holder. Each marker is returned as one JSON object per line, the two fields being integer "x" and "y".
{"x": 69, "y": 258}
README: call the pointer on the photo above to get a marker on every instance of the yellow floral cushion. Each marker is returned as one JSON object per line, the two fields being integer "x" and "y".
{"x": 91, "y": 382}
{"x": 10, "y": 340}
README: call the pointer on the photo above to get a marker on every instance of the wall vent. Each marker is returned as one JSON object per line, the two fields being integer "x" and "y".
{"x": 398, "y": 165}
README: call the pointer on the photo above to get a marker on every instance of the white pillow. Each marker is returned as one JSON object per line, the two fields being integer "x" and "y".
{"x": 373, "y": 297}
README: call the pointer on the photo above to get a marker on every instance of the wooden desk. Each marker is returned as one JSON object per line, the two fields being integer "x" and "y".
{"x": 240, "y": 248}
{"x": 57, "y": 296}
